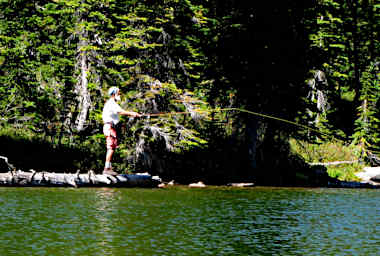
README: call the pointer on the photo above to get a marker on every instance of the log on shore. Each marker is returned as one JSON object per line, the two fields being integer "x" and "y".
{"x": 335, "y": 163}
{"x": 90, "y": 179}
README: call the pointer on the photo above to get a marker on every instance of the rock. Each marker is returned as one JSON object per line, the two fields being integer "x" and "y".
{"x": 166, "y": 184}
{"x": 369, "y": 173}
{"x": 199, "y": 184}
{"x": 376, "y": 178}
{"x": 241, "y": 184}
{"x": 351, "y": 184}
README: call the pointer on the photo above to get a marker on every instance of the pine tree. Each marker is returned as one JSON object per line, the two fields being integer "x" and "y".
{"x": 34, "y": 68}
{"x": 347, "y": 39}
{"x": 153, "y": 58}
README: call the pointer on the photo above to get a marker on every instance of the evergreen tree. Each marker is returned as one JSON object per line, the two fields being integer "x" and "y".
{"x": 346, "y": 36}
{"x": 35, "y": 68}
{"x": 153, "y": 58}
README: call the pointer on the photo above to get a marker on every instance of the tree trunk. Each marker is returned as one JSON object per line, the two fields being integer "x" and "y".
{"x": 355, "y": 50}
{"x": 84, "y": 100}
{"x": 251, "y": 136}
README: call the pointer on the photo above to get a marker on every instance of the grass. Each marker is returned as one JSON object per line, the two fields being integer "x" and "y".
{"x": 331, "y": 152}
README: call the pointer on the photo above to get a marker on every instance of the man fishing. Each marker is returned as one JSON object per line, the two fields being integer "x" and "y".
{"x": 110, "y": 116}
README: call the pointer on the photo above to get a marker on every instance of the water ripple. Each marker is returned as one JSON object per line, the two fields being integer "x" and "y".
{"x": 181, "y": 221}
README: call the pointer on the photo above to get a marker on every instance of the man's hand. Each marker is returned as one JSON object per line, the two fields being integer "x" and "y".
{"x": 130, "y": 113}
{"x": 137, "y": 114}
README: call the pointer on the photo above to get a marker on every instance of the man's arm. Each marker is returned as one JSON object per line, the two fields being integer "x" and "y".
{"x": 129, "y": 113}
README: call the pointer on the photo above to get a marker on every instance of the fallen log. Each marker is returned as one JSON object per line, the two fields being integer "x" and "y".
{"x": 90, "y": 179}
{"x": 335, "y": 163}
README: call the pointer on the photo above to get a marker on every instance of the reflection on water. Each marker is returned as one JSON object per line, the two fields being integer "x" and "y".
{"x": 182, "y": 221}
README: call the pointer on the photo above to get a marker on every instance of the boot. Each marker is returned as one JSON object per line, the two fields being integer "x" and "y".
{"x": 109, "y": 171}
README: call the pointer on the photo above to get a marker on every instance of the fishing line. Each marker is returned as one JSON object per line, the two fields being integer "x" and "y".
{"x": 248, "y": 112}
{"x": 256, "y": 114}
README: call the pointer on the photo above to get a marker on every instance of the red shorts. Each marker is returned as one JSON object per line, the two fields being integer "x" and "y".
{"x": 111, "y": 136}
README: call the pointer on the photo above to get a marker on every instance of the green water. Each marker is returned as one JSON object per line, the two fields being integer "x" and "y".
{"x": 182, "y": 221}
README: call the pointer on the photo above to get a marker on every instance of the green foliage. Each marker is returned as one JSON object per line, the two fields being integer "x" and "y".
{"x": 325, "y": 152}
{"x": 185, "y": 56}
{"x": 345, "y": 172}
{"x": 331, "y": 152}
{"x": 346, "y": 35}
{"x": 123, "y": 43}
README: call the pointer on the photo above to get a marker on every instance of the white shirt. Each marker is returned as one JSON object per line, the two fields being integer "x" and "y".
{"x": 111, "y": 112}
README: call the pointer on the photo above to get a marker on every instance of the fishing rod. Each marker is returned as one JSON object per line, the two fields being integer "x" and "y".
{"x": 167, "y": 114}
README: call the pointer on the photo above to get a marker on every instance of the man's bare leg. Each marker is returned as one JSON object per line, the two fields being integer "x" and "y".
{"x": 108, "y": 166}
{"x": 109, "y": 157}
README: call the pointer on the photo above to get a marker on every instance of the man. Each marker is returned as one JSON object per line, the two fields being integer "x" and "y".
{"x": 111, "y": 112}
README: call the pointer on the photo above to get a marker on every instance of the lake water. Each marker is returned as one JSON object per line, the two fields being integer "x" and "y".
{"x": 183, "y": 221}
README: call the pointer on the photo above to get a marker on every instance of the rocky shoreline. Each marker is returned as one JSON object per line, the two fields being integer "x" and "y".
{"x": 369, "y": 178}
